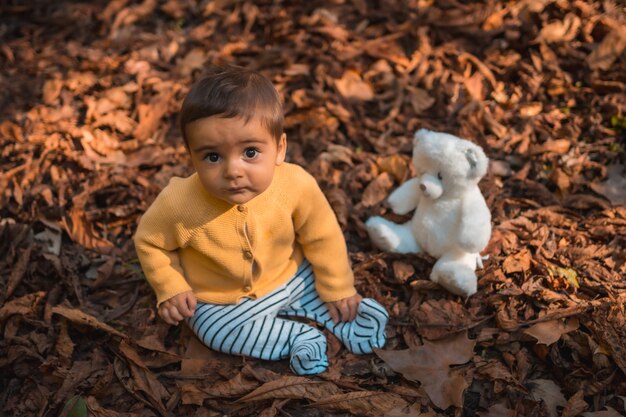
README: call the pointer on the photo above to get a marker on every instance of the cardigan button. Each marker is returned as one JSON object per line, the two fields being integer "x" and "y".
{"x": 247, "y": 254}
{"x": 242, "y": 209}
{"x": 247, "y": 288}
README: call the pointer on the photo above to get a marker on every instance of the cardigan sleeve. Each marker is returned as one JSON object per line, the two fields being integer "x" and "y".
{"x": 319, "y": 234}
{"x": 157, "y": 241}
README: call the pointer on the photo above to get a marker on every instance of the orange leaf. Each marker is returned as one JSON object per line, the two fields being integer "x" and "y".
{"x": 351, "y": 86}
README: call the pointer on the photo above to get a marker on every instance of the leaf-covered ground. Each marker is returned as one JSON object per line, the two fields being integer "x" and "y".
{"x": 89, "y": 93}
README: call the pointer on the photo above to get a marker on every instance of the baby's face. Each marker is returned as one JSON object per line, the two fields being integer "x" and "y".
{"x": 234, "y": 160}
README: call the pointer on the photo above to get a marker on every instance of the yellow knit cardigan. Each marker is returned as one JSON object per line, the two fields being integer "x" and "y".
{"x": 189, "y": 240}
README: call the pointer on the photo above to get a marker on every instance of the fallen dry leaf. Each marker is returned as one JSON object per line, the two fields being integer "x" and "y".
{"x": 611, "y": 47}
{"x": 362, "y": 403}
{"x": 430, "y": 365}
{"x": 79, "y": 317}
{"x": 575, "y": 405}
{"x": 551, "y": 331}
{"x": 24, "y": 305}
{"x": 377, "y": 190}
{"x": 292, "y": 387}
{"x": 560, "y": 31}
{"x": 352, "y": 86}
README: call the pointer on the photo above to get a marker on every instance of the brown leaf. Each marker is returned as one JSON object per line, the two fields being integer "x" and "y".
{"x": 274, "y": 409}
{"x": 548, "y": 332}
{"x": 351, "y": 86}
{"x": 292, "y": 387}
{"x": 560, "y": 179}
{"x": 494, "y": 369}
{"x": 420, "y": 99}
{"x": 82, "y": 232}
{"x": 438, "y": 318}
{"x": 396, "y": 165}
{"x": 474, "y": 86}
{"x": 530, "y": 109}
{"x": 150, "y": 115}
{"x": 144, "y": 380}
{"x": 129, "y": 15}
{"x": 234, "y": 387}
{"x": 430, "y": 365}
{"x": 558, "y": 146}
{"x": 402, "y": 271}
{"x": 77, "y": 316}
{"x": 362, "y": 403}
{"x": 575, "y": 405}
{"x": 191, "y": 394}
{"x": 338, "y": 153}
{"x": 96, "y": 410}
{"x": 377, "y": 190}
{"x": 52, "y": 90}
{"x": 518, "y": 262}
{"x": 24, "y": 305}
{"x": 64, "y": 345}
{"x": 560, "y": 31}
{"x": 18, "y": 271}
{"x": 611, "y": 47}
{"x": 194, "y": 60}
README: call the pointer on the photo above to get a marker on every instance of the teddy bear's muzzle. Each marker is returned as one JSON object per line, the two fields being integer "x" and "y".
{"x": 431, "y": 186}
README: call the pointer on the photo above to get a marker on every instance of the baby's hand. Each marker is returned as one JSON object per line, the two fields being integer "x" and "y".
{"x": 178, "y": 307}
{"x": 344, "y": 309}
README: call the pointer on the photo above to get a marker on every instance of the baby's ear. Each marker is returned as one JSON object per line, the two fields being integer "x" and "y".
{"x": 282, "y": 149}
{"x": 477, "y": 161}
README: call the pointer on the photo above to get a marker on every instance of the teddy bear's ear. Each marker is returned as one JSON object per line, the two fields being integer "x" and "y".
{"x": 471, "y": 157}
{"x": 477, "y": 162}
{"x": 419, "y": 135}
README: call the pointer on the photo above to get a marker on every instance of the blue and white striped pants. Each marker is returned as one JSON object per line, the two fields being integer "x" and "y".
{"x": 252, "y": 328}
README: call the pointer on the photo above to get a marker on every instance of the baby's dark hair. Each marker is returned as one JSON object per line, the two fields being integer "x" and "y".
{"x": 230, "y": 91}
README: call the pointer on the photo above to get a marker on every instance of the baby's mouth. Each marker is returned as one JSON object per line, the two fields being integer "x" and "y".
{"x": 236, "y": 190}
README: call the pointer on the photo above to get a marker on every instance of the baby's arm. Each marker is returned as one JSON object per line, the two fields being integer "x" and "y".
{"x": 322, "y": 241}
{"x": 157, "y": 242}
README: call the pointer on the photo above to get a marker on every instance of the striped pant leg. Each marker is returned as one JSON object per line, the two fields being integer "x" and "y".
{"x": 365, "y": 333}
{"x": 251, "y": 328}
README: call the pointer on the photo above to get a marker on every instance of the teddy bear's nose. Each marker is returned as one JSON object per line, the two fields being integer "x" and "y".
{"x": 422, "y": 187}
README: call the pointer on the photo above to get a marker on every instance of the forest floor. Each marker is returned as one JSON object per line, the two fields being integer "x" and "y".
{"x": 89, "y": 95}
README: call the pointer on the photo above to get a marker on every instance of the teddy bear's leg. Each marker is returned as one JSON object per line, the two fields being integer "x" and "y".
{"x": 455, "y": 272}
{"x": 391, "y": 237}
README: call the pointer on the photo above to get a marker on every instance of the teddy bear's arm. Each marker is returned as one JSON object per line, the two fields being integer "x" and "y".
{"x": 405, "y": 197}
{"x": 475, "y": 225}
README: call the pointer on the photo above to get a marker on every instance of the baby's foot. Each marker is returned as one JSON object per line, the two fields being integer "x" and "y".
{"x": 368, "y": 329}
{"x": 309, "y": 359}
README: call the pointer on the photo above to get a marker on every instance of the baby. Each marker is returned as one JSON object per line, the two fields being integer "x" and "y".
{"x": 250, "y": 239}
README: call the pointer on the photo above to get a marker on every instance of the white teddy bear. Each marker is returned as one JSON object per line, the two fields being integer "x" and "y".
{"x": 452, "y": 221}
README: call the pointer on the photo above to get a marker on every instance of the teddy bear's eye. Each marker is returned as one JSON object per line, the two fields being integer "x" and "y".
{"x": 439, "y": 176}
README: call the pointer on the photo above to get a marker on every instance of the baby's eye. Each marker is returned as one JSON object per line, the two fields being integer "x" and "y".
{"x": 439, "y": 176}
{"x": 212, "y": 157}
{"x": 251, "y": 153}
